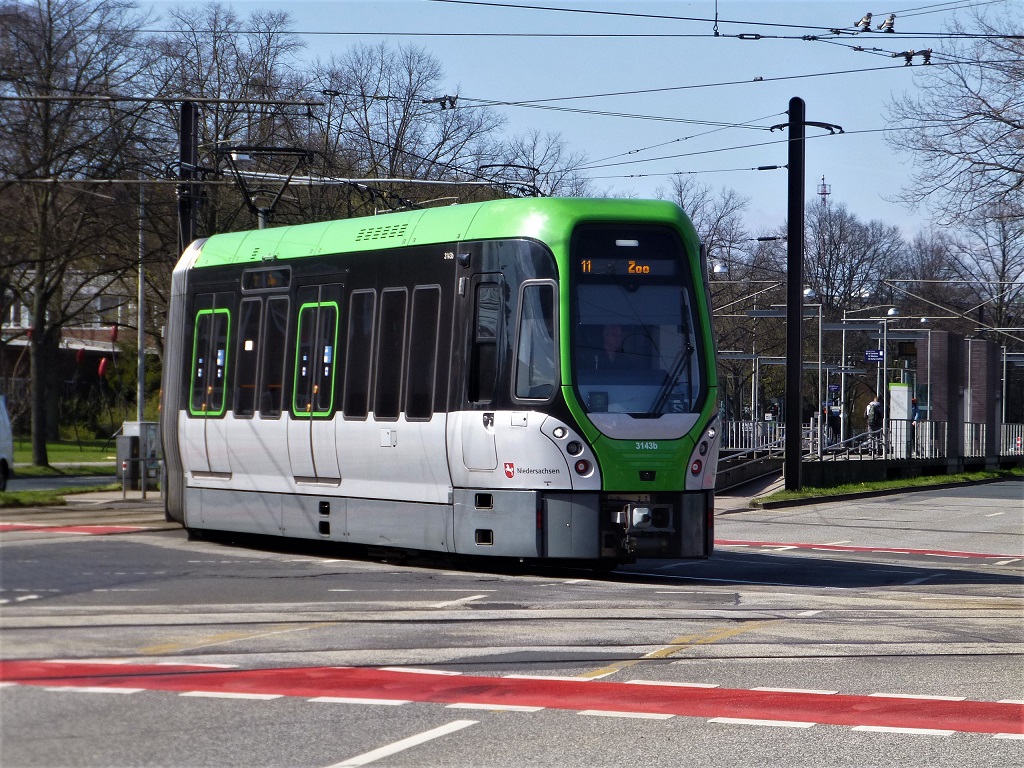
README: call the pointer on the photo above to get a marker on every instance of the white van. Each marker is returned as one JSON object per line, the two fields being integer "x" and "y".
{"x": 6, "y": 445}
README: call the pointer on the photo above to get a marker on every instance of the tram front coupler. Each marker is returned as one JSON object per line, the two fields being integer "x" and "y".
{"x": 646, "y": 528}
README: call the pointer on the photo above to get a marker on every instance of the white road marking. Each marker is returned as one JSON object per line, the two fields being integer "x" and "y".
{"x": 415, "y": 671}
{"x": 677, "y": 685}
{"x": 913, "y": 696}
{"x": 1010, "y": 701}
{"x": 550, "y": 677}
{"x": 355, "y": 700}
{"x": 634, "y": 715}
{"x": 90, "y": 689}
{"x": 499, "y": 707}
{"x": 887, "y": 729}
{"x": 404, "y": 744}
{"x": 794, "y": 690}
{"x": 231, "y": 695}
{"x": 449, "y": 603}
{"x": 748, "y": 721}
{"x": 1008, "y": 562}
{"x": 808, "y": 613}
{"x": 995, "y": 514}
{"x": 1008, "y": 735}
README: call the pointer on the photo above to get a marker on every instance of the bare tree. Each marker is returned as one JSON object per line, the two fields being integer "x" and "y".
{"x": 388, "y": 116}
{"x": 966, "y": 128}
{"x": 54, "y": 56}
{"x": 542, "y": 163}
{"x": 989, "y": 260}
{"x": 718, "y": 218}
{"x": 213, "y": 53}
{"x": 846, "y": 261}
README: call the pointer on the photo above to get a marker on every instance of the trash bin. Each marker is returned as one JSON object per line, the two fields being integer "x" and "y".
{"x": 128, "y": 465}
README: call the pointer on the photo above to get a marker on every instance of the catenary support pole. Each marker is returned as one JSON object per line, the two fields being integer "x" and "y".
{"x": 795, "y": 297}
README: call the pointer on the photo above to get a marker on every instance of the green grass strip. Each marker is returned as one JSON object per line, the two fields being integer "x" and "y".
{"x": 50, "y": 498}
{"x": 923, "y": 481}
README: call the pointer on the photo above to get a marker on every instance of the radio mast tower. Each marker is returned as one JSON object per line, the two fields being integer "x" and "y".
{"x": 824, "y": 190}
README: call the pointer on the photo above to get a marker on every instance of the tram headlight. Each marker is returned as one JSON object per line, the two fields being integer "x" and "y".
{"x": 575, "y": 448}
{"x": 696, "y": 467}
{"x": 583, "y": 467}
{"x": 560, "y": 432}
{"x": 702, "y": 449}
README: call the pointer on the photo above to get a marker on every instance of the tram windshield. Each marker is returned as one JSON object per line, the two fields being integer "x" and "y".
{"x": 636, "y": 350}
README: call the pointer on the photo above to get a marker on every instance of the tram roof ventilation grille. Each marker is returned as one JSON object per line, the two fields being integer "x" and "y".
{"x": 382, "y": 232}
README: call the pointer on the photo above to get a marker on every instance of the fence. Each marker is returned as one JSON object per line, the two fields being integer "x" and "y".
{"x": 1011, "y": 440}
{"x": 902, "y": 439}
{"x": 749, "y": 435}
{"x": 974, "y": 439}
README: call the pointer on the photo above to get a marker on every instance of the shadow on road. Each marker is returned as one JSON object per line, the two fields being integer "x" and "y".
{"x": 846, "y": 570}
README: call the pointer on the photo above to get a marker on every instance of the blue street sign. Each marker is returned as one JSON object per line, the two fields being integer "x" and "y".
{"x": 873, "y": 356}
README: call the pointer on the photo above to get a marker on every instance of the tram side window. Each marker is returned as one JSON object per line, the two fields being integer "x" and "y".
{"x": 483, "y": 372}
{"x": 536, "y": 372}
{"x": 360, "y": 354}
{"x": 390, "y": 348}
{"x": 275, "y": 331}
{"x": 422, "y": 369}
{"x": 247, "y": 355}
{"x": 210, "y": 362}
{"x": 317, "y": 336}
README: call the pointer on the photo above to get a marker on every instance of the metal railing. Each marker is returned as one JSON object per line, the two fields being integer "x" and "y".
{"x": 1011, "y": 440}
{"x": 901, "y": 439}
{"x": 974, "y": 439}
{"x": 745, "y": 435}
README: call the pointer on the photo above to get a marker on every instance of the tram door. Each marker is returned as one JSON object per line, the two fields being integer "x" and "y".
{"x": 312, "y": 448}
{"x": 479, "y": 451}
{"x": 205, "y": 430}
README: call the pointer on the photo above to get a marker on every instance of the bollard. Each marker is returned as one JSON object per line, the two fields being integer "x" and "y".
{"x": 124, "y": 480}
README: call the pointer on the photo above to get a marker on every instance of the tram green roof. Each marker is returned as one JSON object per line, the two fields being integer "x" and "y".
{"x": 550, "y": 220}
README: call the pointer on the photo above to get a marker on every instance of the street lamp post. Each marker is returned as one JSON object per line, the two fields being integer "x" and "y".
{"x": 781, "y": 311}
{"x": 140, "y": 384}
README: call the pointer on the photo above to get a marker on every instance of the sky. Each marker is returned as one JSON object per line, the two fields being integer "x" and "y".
{"x": 675, "y": 97}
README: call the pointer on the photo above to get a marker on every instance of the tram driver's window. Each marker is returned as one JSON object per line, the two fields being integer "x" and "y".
{"x": 536, "y": 371}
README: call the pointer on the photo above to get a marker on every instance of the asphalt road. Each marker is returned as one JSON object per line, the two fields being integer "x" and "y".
{"x": 885, "y": 631}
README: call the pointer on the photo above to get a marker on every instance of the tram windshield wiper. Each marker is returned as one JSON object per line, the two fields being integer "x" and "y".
{"x": 681, "y": 363}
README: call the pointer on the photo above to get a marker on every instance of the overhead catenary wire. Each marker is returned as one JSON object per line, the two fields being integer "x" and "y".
{"x": 670, "y": 17}
{"x": 691, "y": 173}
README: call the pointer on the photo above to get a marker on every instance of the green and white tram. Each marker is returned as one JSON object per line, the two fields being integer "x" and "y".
{"x": 528, "y": 378}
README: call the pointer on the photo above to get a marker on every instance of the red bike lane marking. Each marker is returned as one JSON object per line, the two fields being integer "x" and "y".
{"x": 849, "y": 548}
{"x": 90, "y": 530}
{"x": 313, "y": 682}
